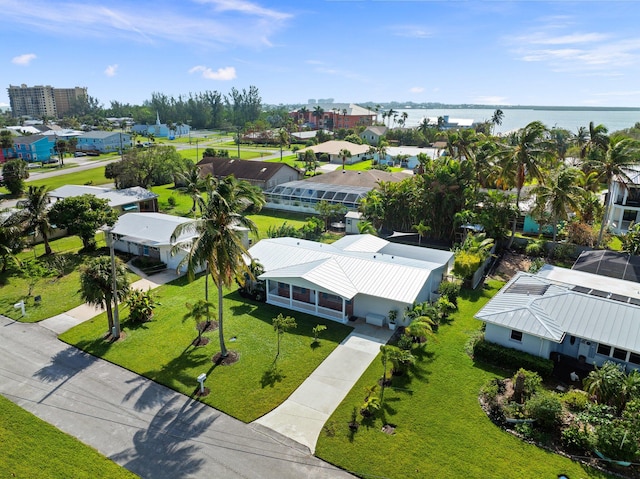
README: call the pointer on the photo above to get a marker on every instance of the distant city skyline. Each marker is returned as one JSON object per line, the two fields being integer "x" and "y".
{"x": 484, "y": 52}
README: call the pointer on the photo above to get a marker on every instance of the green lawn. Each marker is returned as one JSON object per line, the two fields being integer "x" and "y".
{"x": 94, "y": 176}
{"x": 32, "y": 448}
{"x": 441, "y": 431}
{"x": 161, "y": 349}
{"x": 58, "y": 295}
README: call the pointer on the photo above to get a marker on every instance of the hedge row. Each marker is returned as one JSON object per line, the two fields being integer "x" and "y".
{"x": 500, "y": 356}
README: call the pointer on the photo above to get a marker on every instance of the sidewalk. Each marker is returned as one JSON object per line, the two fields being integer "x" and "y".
{"x": 302, "y": 416}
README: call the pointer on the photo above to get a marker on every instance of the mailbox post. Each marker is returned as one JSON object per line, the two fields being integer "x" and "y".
{"x": 201, "y": 380}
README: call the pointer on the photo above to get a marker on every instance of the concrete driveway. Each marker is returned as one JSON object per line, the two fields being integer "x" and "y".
{"x": 147, "y": 428}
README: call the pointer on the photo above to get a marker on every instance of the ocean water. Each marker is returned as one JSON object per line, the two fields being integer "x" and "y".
{"x": 516, "y": 118}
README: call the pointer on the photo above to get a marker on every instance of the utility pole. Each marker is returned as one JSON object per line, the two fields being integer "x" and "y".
{"x": 239, "y": 129}
{"x": 115, "y": 333}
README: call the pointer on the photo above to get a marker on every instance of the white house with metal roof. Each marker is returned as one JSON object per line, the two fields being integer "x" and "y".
{"x": 134, "y": 199}
{"x": 358, "y": 275}
{"x": 625, "y": 201}
{"x": 583, "y": 316}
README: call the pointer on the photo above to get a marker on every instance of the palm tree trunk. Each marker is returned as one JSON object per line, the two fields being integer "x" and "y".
{"x": 515, "y": 220}
{"x": 606, "y": 213}
{"x": 109, "y": 314}
{"x": 223, "y": 348}
{"x": 47, "y": 246}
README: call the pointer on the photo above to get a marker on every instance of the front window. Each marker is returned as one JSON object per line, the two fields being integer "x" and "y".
{"x": 516, "y": 335}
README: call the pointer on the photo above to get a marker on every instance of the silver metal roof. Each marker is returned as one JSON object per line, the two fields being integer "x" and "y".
{"x": 342, "y": 272}
{"x": 550, "y": 309}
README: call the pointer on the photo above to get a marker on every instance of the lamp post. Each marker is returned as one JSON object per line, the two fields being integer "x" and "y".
{"x": 239, "y": 130}
{"x": 115, "y": 333}
{"x": 197, "y": 158}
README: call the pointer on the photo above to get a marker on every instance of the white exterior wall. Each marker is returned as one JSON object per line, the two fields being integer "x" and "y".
{"x": 284, "y": 175}
{"x": 529, "y": 344}
{"x": 364, "y": 304}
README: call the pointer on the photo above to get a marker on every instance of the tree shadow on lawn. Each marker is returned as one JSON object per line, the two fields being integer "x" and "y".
{"x": 173, "y": 374}
{"x": 474, "y": 295}
{"x": 272, "y": 376}
{"x": 161, "y": 449}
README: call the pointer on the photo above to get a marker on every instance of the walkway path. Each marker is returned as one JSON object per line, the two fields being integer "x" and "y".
{"x": 303, "y": 414}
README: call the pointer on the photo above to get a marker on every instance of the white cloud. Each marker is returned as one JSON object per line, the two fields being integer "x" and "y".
{"x": 226, "y": 73}
{"x": 23, "y": 59}
{"x": 212, "y": 23}
{"x": 416, "y": 89}
{"x": 248, "y": 8}
{"x": 111, "y": 70}
{"x": 411, "y": 31}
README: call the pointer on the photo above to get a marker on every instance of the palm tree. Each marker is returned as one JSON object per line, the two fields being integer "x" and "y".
{"x": 344, "y": 154}
{"x": 36, "y": 213}
{"x": 520, "y": 160}
{"x": 318, "y": 112}
{"x": 390, "y": 114}
{"x": 560, "y": 194}
{"x": 421, "y": 229}
{"x": 283, "y": 139}
{"x": 191, "y": 185}
{"x": 218, "y": 243}
{"x": 619, "y": 154}
{"x": 96, "y": 284}
{"x": 198, "y": 311}
{"x": 11, "y": 229}
{"x": 496, "y": 119}
{"x": 598, "y": 141}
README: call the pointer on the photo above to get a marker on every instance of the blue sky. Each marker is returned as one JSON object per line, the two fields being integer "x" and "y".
{"x": 488, "y": 52}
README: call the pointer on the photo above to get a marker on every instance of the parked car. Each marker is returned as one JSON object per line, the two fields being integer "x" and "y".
{"x": 79, "y": 153}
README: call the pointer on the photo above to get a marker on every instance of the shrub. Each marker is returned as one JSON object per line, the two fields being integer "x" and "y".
{"x": 450, "y": 290}
{"x": 492, "y": 389}
{"x": 536, "y": 265}
{"x": 576, "y": 400}
{"x": 577, "y": 438}
{"x": 617, "y": 441}
{"x": 466, "y": 264}
{"x": 531, "y": 382}
{"x": 172, "y": 201}
{"x": 546, "y": 409}
{"x": 564, "y": 251}
{"x": 581, "y": 234}
{"x": 141, "y": 305}
{"x": 511, "y": 358}
{"x": 536, "y": 248}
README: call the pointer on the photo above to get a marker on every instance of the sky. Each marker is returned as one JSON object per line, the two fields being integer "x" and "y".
{"x": 497, "y": 52}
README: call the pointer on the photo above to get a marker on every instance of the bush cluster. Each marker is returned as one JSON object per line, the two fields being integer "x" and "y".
{"x": 510, "y": 358}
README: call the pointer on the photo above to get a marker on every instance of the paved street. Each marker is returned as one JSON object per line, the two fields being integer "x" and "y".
{"x": 149, "y": 429}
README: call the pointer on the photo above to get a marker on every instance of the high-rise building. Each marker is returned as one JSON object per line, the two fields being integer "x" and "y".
{"x": 38, "y": 101}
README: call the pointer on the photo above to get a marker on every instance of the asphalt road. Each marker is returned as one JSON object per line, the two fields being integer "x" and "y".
{"x": 147, "y": 428}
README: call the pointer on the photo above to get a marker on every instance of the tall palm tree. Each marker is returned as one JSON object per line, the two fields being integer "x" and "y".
{"x": 598, "y": 141}
{"x": 344, "y": 154}
{"x": 218, "y": 243}
{"x": 560, "y": 194}
{"x": 496, "y": 119}
{"x": 191, "y": 184}
{"x": 620, "y": 153}
{"x": 36, "y": 213}
{"x": 318, "y": 112}
{"x": 96, "y": 284}
{"x": 521, "y": 159}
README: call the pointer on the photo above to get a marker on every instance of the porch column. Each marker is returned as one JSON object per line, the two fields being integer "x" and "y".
{"x": 625, "y": 195}
{"x": 317, "y": 293}
{"x": 290, "y": 295}
{"x": 620, "y": 220}
{"x": 343, "y": 309}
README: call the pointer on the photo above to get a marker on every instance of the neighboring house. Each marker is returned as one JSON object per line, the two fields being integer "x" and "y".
{"x": 359, "y": 275}
{"x": 332, "y": 149}
{"x": 625, "y": 208}
{"x": 334, "y": 116}
{"x": 149, "y": 235}
{"x": 162, "y": 130}
{"x": 346, "y": 187}
{"x": 263, "y": 174}
{"x": 103, "y": 141}
{"x": 134, "y": 199}
{"x": 407, "y": 156}
{"x": 34, "y": 148}
{"x": 372, "y": 134}
{"x": 588, "y": 319}
{"x": 450, "y": 123}
{"x": 304, "y": 136}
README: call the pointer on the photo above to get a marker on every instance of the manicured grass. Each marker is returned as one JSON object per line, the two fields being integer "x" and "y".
{"x": 441, "y": 431}
{"x": 161, "y": 349}
{"x": 615, "y": 244}
{"x": 268, "y": 217}
{"x": 195, "y": 154}
{"x": 94, "y": 177}
{"x": 58, "y": 295}
{"x": 34, "y": 448}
